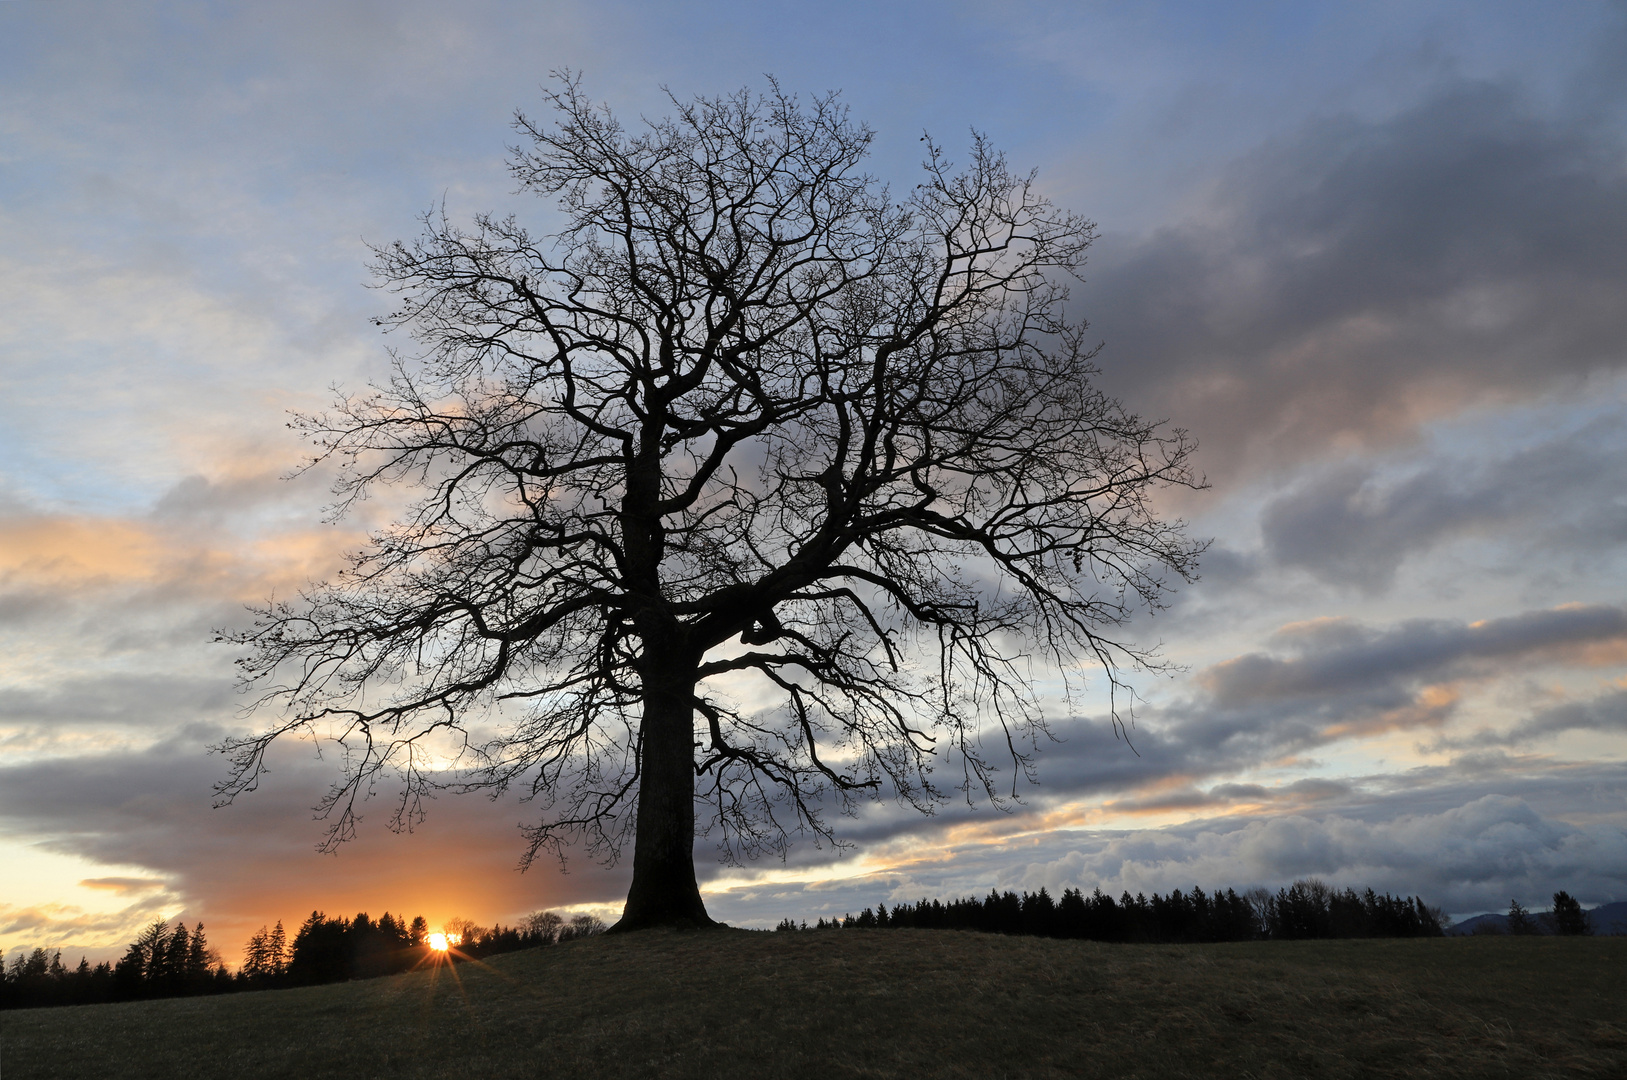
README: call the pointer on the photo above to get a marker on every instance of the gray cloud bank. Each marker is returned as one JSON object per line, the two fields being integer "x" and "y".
{"x": 1473, "y": 856}
{"x": 1467, "y": 853}
{"x": 1331, "y": 680}
{"x": 1605, "y": 713}
{"x": 1356, "y": 277}
{"x": 1319, "y": 682}
{"x": 1341, "y": 658}
{"x": 1468, "y": 834}
{"x": 1555, "y": 501}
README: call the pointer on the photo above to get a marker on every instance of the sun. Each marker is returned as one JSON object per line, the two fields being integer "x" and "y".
{"x": 442, "y": 942}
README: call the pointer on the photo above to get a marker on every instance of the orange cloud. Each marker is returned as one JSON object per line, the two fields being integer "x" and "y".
{"x": 60, "y": 552}
{"x": 56, "y": 550}
{"x": 123, "y": 884}
{"x": 1432, "y": 707}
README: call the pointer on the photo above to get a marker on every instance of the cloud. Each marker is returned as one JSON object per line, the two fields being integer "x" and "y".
{"x": 255, "y": 861}
{"x": 126, "y": 699}
{"x": 242, "y": 531}
{"x": 1603, "y": 713}
{"x": 1354, "y": 523}
{"x": 1324, "y": 682}
{"x": 1355, "y": 278}
{"x": 1470, "y": 856}
{"x": 95, "y": 712}
{"x": 1607, "y": 712}
{"x": 69, "y": 927}
{"x": 1337, "y": 664}
{"x": 123, "y": 884}
{"x": 1290, "y": 796}
{"x": 50, "y": 550}
{"x": 1463, "y": 851}
{"x": 110, "y": 618}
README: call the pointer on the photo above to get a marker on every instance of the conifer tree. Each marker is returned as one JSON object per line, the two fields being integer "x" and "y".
{"x": 129, "y": 973}
{"x": 256, "y": 955}
{"x": 1568, "y": 917}
{"x": 146, "y": 954}
{"x": 200, "y": 958}
{"x": 277, "y": 951}
{"x": 177, "y": 953}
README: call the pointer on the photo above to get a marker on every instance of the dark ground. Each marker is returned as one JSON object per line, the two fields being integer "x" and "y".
{"x": 891, "y": 1003}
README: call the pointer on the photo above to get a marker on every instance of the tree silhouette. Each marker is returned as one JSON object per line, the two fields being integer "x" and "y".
{"x": 257, "y": 962}
{"x": 277, "y": 950}
{"x": 751, "y": 485}
{"x": 1568, "y": 916}
{"x": 200, "y": 960}
{"x": 146, "y": 955}
{"x": 173, "y": 970}
{"x": 543, "y": 925}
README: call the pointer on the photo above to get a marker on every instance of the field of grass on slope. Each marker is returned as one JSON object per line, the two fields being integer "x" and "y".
{"x": 890, "y": 1003}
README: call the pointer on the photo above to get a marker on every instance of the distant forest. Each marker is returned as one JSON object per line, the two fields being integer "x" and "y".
{"x": 177, "y": 962}
{"x": 1306, "y": 909}
{"x": 171, "y": 962}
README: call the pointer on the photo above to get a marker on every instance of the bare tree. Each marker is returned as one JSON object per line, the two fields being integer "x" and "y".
{"x": 751, "y": 486}
{"x": 543, "y": 924}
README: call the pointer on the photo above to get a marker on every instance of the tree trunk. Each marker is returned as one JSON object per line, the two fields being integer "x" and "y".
{"x": 664, "y": 892}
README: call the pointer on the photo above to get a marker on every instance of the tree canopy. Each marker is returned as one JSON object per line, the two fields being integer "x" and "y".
{"x": 750, "y": 486}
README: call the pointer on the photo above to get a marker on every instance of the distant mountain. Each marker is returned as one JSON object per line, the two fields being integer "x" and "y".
{"x": 1609, "y": 918}
{"x": 1485, "y": 924}
{"x": 1605, "y": 919}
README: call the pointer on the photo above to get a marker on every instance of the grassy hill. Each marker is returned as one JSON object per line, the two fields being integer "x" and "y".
{"x": 890, "y": 1003}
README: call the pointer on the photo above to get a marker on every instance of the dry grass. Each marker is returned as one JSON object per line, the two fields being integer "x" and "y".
{"x": 892, "y": 1004}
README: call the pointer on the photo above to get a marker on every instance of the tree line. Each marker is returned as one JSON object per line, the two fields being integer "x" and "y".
{"x": 1567, "y": 919}
{"x": 161, "y": 962}
{"x": 176, "y": 962}
{"x": 1305, "y": 909}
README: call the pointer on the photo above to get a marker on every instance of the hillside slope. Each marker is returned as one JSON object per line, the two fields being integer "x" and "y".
{"x": 890, "y": 1004}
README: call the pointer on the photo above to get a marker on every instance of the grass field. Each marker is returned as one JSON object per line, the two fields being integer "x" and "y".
{"x": 890, "y": 1003}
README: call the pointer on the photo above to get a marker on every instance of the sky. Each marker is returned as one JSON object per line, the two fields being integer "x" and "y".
{"x": 1373, "y": 257}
